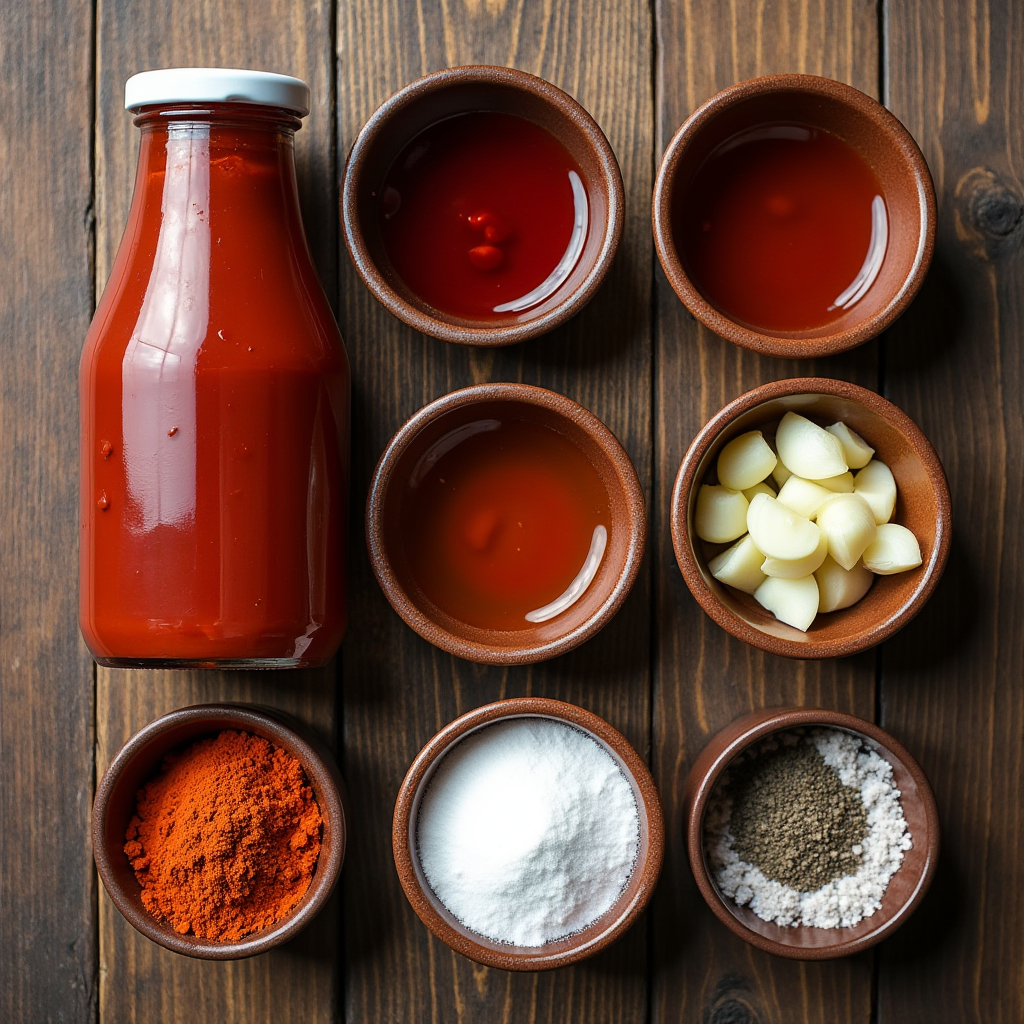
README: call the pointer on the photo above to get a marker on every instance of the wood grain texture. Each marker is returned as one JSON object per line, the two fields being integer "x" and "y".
{"x": 139, "y": 980}
{"x": 662, "y": 672}
{"x": 952, "y": 681}
{"x": 48, "y": 921}
{"x": 704, "y": 678}
{"x": 398, "y": 690}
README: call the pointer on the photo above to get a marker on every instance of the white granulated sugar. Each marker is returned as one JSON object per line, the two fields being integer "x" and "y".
{"x": 841, "y": 903}
{"x": 528, "y": 831}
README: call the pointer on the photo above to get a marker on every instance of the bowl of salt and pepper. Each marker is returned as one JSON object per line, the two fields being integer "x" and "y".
{"x": 528, "y": 834}
{"x": 812, "y": 834}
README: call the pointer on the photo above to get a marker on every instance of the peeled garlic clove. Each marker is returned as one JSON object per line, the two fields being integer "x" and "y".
{"x": 807, "y": 449}
{"x": 761, "y": 488}
{"x": 794, "y": 602}
{"x": 739, "y": 566}
{"x": 849, "y": 525}
{"x": 894, "y": 549}
{"x": 778, "y": 531}
{"x": 721, "y": 514}
{"x": 780, "y": 474}
{"x": 803, "y": 496}
{"x": 796, "y": 568}
{"x": 746, "y": 460}
{"x": 875, "y": 484}
{"x": 856, "y": 450}
{"x": 842, "y": 484}
{"x": 839, "y": 588}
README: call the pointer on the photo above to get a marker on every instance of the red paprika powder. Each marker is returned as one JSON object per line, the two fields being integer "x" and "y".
{"x": 225, "y": 839}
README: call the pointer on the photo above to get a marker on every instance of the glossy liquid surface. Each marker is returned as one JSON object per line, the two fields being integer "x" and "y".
{"x": 483, "y": 215}
{"x": 499, "y": 520}
{"x": 783, "y": 228}
{"x": 214, "y": 404}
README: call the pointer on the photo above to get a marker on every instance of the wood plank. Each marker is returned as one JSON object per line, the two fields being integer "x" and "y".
{"x": 951, "y": 682}
{"x": 48, "y": 924}
{"x": 703, "y": 678}
{"x": 399, "y": 690}
{"x": 139, "y": 980}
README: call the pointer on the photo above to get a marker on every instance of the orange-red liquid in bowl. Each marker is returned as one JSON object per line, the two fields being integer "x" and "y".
{"x": 783, "y": 228}
{"x": 500, "y": 519}
{"x": 484, "y": 215}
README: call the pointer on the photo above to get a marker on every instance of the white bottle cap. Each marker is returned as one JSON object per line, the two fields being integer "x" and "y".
{"x": 216, "y": 85}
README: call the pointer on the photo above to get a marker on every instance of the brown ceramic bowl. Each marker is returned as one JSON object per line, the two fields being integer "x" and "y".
{"x": 458, "y": 91}
{"x": 619, "y": 566}
{"x": 922, "y": 505}
{"x": 140, "y": 759}
{"x": 875, "y": 134}
{"x": 607, "y": 928}
{"x": 906, "y": 887}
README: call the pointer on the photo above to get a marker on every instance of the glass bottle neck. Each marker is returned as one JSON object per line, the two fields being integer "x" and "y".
{"x": 202, "y": 161}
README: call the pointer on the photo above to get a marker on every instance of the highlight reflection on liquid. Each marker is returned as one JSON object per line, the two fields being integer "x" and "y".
{"x": 872, "y": 261}
{"x": 162, "y": 354}
{"x": 570, "y": 257}
{"x": 583, "y": 579}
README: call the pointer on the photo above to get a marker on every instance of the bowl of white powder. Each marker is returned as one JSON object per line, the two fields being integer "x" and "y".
{"x": 528, "y": 834}
{"x": 812, "y": 834}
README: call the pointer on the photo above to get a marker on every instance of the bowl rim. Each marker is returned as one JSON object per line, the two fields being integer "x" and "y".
{"x": 282, "y": 729}
{"x": 562, "y": 406}
{"x": 513, "y": 79}
{"x": 686, "y": 479}
{"x": 738, "y": 736}
{"x": 416, "y": 778}
{"x": 827, "y": 343}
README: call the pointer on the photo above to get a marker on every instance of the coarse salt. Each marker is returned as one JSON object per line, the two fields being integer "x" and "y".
{"x": 845, "y": 901}
{"x": 528, "y": 831}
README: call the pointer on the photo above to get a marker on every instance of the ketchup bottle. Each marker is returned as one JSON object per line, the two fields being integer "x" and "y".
{"x": 214, "y": 391}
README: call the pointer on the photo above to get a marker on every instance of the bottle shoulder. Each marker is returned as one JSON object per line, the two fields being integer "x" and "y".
{"x": 267, "y": 316}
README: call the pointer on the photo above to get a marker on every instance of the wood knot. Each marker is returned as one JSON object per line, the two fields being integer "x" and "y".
{"x": 989, "y": 214}
{"x": 730, "y": 1003}
{"x": 732, "y": 1011}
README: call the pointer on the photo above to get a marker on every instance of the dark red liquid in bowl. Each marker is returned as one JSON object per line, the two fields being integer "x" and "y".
{"x": 499, "y": 519}
{"x": 781, "y": 228}
{"x": 478, "y": 212}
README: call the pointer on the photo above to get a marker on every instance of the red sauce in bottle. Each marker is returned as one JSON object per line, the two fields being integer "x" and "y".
{"x": 503, "y": 522}
{"x": 214, "y": 412}
{"x": 483, "y": 215}
{"x": 783, "y": 228}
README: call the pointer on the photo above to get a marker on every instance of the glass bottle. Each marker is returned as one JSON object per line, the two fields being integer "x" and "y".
{"x": 214, "y": 390}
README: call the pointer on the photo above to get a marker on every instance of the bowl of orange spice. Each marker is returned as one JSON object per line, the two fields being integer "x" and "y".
{"x": 219, "y": 830}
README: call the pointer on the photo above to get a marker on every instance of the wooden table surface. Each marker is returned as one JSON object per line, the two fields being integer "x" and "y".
{"x": 950, "y": 686}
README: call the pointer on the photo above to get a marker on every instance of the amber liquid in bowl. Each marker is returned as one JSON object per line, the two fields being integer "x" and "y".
{"x": 783, "y": 228}
{"x": 504, "y": 523}
{"x": 484, "y": 215}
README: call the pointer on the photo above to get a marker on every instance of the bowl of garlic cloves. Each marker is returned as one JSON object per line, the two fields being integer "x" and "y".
{"x": 811, "y": 518}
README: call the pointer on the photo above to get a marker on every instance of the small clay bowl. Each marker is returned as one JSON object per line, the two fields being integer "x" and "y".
{"x": 875, "y": 134}
{"x": 607, "y": 928}
{"x": 463, "y": 90}
{"x": 140, "y": 759}
{"x": 922, "y": 505}
{"x": 906, "y": 887}
{"x": 619, "y": 566}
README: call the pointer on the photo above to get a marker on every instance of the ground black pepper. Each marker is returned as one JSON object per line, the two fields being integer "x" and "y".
{"x": 793, "y": 818}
